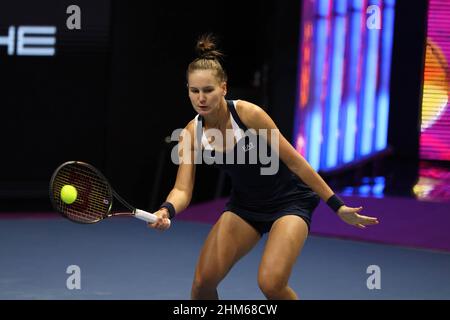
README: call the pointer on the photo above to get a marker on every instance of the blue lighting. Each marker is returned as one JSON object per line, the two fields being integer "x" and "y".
{"x": 335, "y": 89}
{"x": 387, "y": 34}
{"x": 368, "y": 94}
{"x": 345, "y": 101}
{"x": 319, "y": 55}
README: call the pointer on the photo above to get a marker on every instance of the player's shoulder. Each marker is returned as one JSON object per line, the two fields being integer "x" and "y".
{"x": 249, "y": 112}
{"x": 190, "y": 127}
{"x": 188, "y": 132}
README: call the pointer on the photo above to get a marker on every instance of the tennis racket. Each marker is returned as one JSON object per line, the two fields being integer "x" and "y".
{"x": 92, "y": 195}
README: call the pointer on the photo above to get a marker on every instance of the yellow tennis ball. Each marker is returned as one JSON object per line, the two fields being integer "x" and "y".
{"x": 68, "y": 194}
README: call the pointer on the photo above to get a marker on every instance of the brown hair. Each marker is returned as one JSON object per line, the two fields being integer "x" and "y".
{"x": 208, "y": 57}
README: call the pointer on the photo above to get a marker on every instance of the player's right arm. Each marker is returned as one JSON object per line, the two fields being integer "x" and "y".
{"x": 181, "y": 194}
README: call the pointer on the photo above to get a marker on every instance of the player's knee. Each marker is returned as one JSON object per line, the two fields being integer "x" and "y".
{"x": 204, "y": 282}
{"x": 271, "y": 284}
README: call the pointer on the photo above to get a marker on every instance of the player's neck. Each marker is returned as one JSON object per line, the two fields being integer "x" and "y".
{"x": 218, "y": 118}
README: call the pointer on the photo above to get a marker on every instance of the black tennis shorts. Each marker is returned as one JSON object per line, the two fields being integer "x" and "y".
{"x": 263, "y": 222}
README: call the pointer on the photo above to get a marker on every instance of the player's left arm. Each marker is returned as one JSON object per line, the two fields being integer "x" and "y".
{"x": 256, "y": 118}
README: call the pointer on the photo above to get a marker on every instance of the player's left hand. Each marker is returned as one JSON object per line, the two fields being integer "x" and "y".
{"x": 352, "y": 217}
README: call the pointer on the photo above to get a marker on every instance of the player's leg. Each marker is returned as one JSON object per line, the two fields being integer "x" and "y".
{"x": 285, "y": 241}
{"x": 229, "y": 240}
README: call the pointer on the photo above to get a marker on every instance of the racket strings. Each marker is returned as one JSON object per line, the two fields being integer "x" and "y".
{"x": 94, "y": 197}
{"x": 88, "y": 186}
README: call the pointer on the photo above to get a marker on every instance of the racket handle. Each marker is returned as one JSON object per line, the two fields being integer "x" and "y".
{"x": 146, "y": 216}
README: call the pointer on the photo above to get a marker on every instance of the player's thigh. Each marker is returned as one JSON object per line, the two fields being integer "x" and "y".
{"x": 286, "y": 239}
{"x": 228, "y": 241}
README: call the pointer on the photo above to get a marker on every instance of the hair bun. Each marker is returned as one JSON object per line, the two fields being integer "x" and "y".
{"x": 206, "y": 47}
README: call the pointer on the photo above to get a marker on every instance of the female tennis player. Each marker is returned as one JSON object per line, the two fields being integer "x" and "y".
{"x": 280, "y": 203}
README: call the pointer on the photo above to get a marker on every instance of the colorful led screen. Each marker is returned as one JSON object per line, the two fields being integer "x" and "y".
{"x": 343, "y": 80}
{"x": 435, "y": 125}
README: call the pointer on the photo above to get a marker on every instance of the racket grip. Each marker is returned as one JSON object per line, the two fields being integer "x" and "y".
{"x": 146, "y": 216}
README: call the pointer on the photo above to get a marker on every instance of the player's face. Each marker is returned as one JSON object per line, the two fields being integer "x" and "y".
{"x": 205, "y": 91}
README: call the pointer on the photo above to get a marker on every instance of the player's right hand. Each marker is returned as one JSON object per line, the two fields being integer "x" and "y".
{"x": 163, "y": 220}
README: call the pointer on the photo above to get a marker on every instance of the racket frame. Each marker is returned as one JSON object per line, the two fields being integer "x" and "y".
{"x": 140, "y": 214}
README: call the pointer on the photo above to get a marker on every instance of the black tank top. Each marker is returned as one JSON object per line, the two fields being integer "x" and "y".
{"x": 252, "y": 190}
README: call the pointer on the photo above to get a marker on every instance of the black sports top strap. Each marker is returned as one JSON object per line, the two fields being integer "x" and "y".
{"x": 236, "y": 118}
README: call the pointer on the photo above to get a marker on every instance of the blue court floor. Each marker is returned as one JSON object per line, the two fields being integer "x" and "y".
{"x": 121, "y": 258}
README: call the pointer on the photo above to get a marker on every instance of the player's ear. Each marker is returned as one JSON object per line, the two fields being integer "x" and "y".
{"x": 224, "y": 87}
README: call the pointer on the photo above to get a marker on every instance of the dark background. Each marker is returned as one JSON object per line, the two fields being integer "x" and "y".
{"x": 116, "y": 89}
